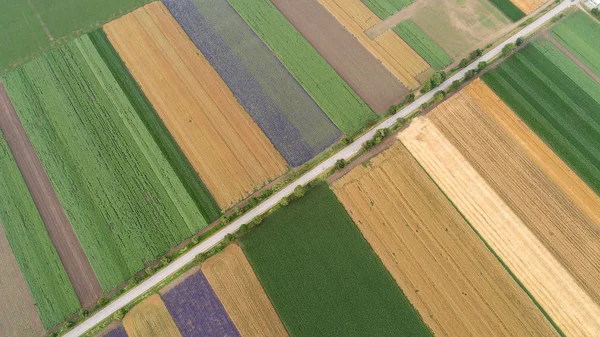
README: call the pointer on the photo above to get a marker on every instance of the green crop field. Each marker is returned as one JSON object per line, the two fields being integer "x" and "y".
{"x": 559, "y": 101}
{"x": 423, "y": 45}
{"x": 122, "y": 196}
{"x": 580, "y": 34}
{"x": 28, "y": 28}
{"x": 341, "y": 104}
{"x": 509, "y": 9}
{"x": 322, "y": 276}
{"x": 48, "y": 282}
{"x": 386, "y": 8}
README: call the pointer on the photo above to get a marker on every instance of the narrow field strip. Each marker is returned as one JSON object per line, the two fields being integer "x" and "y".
{"x": 233, "y": 280}
{"x": 386, "y": 8}
{"x": 423, "y": 45}
{"x": 449, "y": 275}
{"x": 150, "y": 318}
{"x": 579, "y": 33}
{"x": 228, "y": 150}
{"x": 397, "y": 56}
{"x": 566, "y": 302}
{"x": 347, "y": 111}
{"x": 513, "y": 9}
{"x": 294, "y": 123}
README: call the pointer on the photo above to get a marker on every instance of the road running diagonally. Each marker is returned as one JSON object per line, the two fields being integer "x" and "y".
{"x": 346, "y": 153}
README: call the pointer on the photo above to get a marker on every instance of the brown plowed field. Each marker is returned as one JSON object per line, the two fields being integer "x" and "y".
{"x": 233, "y": 280}
{"x": 453, "y": 280}
{"x": 536, "y": 149}
{"x": 57, "y": 224}
{"x": 528, "y": 6}
{"x": 150, "y": 318}
{"x": 18, "y": 315}
{"x": 534, "y": 264}
{"x": 397, "y": 56}
{"x": 555, "y": 219}
{"x": 222, "y": 142}
{"x": 359, "y": 68}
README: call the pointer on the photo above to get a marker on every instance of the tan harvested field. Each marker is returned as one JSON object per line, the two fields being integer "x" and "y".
{"x": 233, "y": 280}
{"x": 452, "y": 279}
{"x": 69, "y": 249}
{"x": 222, "y": 142}
{"x": 397, "y": 56}
{"x": 537, "y": 150}
{"x": 355, "y": 64}
{"x": 150, "y": 318}
{"x": 528, "y": 6}
{"x": 18, "y": 314}
{"x": 555, "y": 219}
{"x": 533, "y": 263}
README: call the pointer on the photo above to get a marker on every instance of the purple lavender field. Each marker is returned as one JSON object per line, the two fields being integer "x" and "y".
{"x": 289, "y": 117}
{"x": 117, "y": 332}
{"x": 196, "y": 309}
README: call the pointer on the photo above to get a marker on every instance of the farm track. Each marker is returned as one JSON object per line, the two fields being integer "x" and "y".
{"x": 353, "y": 62}
{"x": 570, "y": 55}
{"x": 449, "y": 275}
{"x": 60, "y": 231}
{"x": 18, "y": 314}
{"x": 150, "y": 318}
{"x": 239, "y": 290}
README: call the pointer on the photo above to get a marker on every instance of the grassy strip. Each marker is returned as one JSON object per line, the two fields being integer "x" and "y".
{"x": 341, "y": 104}
{"x": 46, "y": 277}
{"x": 580, "y": 35}
{"x": 386, "y": 8}
{"x": 323, "y": 277}
{"x": 161, "y": 135}
{"x": 509, "y": 9}
{"x": 423, "y": 45}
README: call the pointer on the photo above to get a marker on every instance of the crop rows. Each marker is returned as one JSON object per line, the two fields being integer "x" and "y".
{"x": 347, "y": 111}
{"x": 509, "y": 9}
{"x": 580, "y": 35}
{"x": 422, "y": 44}
{"x": 126, "y": 204}
{"x": 150, "y": 318}
{"x": 385, "y": 8}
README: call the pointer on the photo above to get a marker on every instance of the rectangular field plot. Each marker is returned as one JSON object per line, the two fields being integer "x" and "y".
{"x": 37, "y": 258}
{"x": 347, "y": 111}
{"x": 385, "y": 8}
{"x": 541, "y": 235}
{"x": 322, "y": 276}
{"x": 422, "y": 44}
{"x": 294, "y": 123}
{"x": 196, "y": 309}
{"x": 150, "y": 318}
{"x": 558, "y": 101}
{"x": 580, "y": 34}
{"x": 432, "y": 252}
{"x": 120, "y": 193}
{"x": 515, "y": 9}
{"x": 355, "y": 64}
{"x": 220, "y": 140}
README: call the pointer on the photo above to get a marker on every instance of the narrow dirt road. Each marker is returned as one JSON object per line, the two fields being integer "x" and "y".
{"x": 572, "y": 57}
{"x": 55, "y": 219}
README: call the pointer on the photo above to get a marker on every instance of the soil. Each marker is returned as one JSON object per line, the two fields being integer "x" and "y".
{"x": 18, "y": 314}
{"x": 57, "y": 224}
{"x": 353, "y": 62}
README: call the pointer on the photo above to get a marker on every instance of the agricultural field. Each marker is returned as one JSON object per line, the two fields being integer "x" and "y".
{"x": 423, "y": 45}
{"x": 119, "y": 331}
{"x": 516, "y": 9}
{"x": 397, "y": 56}
{"x": 294, "y": 123}
{"x": 579, "y": 34}
{"x": 122, "y": 197}
{"x": 223, "y": 144}
{"x": 347, "y": 111}
{"x": 432, "y": 252}
{"x": 322, "y": 276}
{"x": 359, "y": 68}
{"x": 150, "y": 318}
{"x": 386, "y": 8}
{"x": 196, "y": 309}
{"x": 33, "y": 27}
{"x": 235, "y": 284}
{"x": 557, "y": 100}
{"x": 37, "y": 258}
{"x": 540, "y": 234}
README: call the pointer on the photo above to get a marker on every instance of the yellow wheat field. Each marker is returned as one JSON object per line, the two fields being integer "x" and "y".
{"x": 221, "y": 141}
{"x": 150, "y": 318}
{"x": 528, "y": 6}
{"x": 452, "y": 279}
{"x": 233, "y": 280}
{"x": 397, "y": 56}
{"x": 575, "y": 188}
{"x": 532, "y": 262}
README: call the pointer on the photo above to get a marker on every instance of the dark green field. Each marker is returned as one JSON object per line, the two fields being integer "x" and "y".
{"x": 27, "y": 28}
{"x": 322, "y": 276}
{"x": 558, "y": 101}
{"x": 509, "y": 9}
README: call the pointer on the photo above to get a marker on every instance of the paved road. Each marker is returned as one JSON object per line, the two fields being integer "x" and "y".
{"x": 346, "y": 153}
